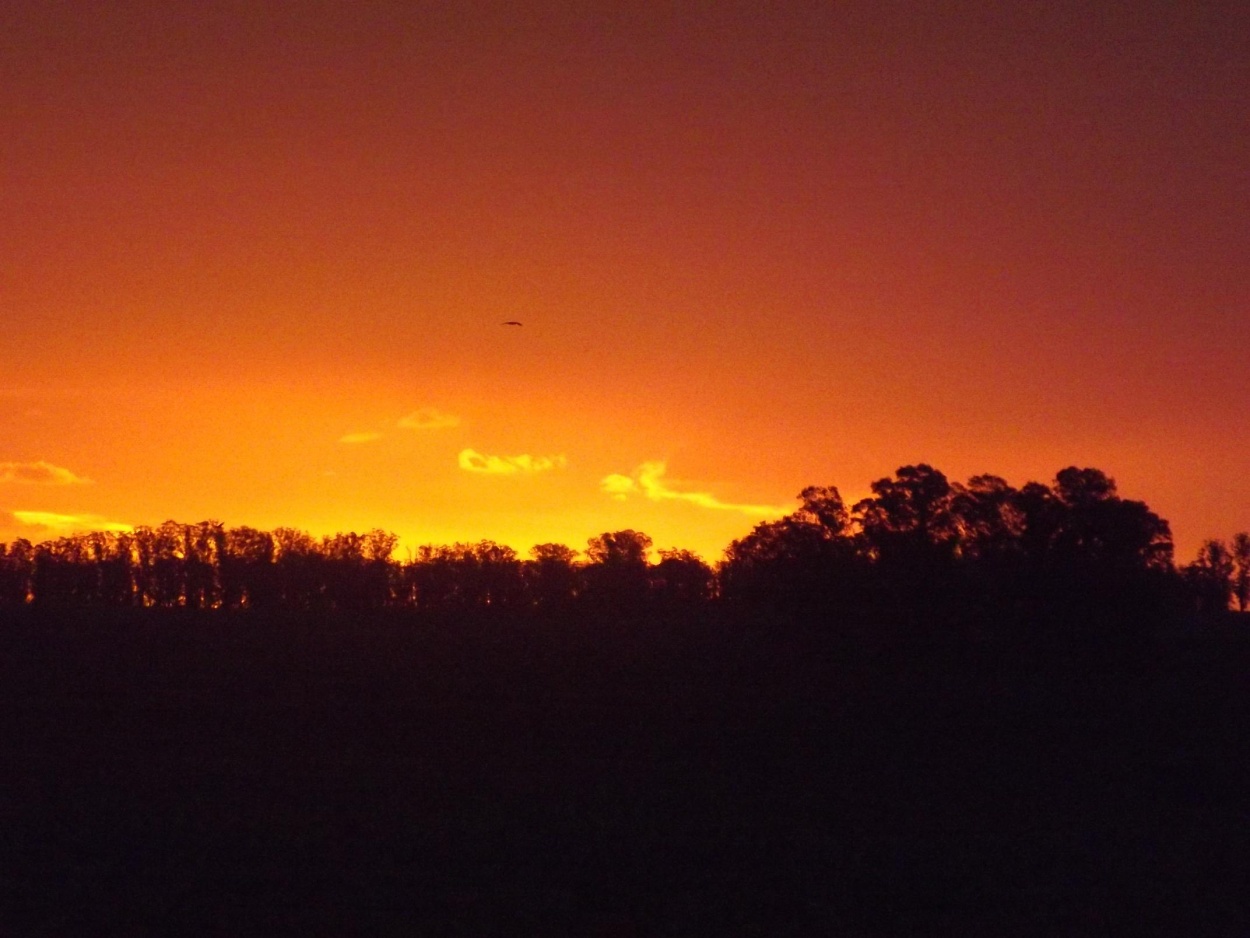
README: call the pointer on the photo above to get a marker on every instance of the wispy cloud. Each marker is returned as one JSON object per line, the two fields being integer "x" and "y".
{"x": 39, "y": 473}
{"x": 65, "y": 524}
{"x": 618, "y": 486}
{"x": 427, "y": 418}
{"x": 473, "y": 461}
{"x": 648, "y": 479}
{"x": 353, "y": 438}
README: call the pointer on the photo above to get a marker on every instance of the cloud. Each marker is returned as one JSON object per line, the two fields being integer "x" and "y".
{"x": 65, "y": 524}
{"x": 618, "y": 486}
{"x": 367, "y": 437}
{"x": 38, "y": 473}
{"x": 427, "y": 418}
{"x": 648, "y": 480}
{"x": 473, "y": 461}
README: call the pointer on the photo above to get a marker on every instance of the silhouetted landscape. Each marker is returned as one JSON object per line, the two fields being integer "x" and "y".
{"x": 950, "y": 708}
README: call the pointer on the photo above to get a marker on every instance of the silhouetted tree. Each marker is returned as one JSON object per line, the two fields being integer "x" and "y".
{"x": 159, "y": 568}
{"x": 201, "y": 564}
{"x": 551, "y": 574}
{"x": 617, "y": 572}
{"x": 1098, "y": 528}
{"x": 17, "y": 565}
{"x": 1241, "y": 574}
{"x": 113, "y": 556}
{"x": 1040, "y": 515}
{"x": 822, "y": 505}
{"x": 1083, "y": 488}
{"x": 246, "y": 566}
{"x": 801, "y": 558}
{"x": 502, "y": 584}
{"x": 908, "y": 521}
{"x": 1210, "y": 577}
{"x": 431, "y": 576}
{"x": 1103, "y": 534}
{"x": 299, "y": 569}
{"x": 63, "y": 574}
{"x": 908, "y": 532}
{"x": 381, "y": 574}
{"x": 357, "y": 570}
{"x": 466, "y": 576}
{"x": 1075, "y": 551}
{"x": 619, "y": 548}
{"x": 988, "y": 520}
{"x": 344, "y": 572}
{"x": 681, "y": 577}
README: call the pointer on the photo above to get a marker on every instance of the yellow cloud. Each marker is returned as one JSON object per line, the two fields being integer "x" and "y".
{"x": 65, "y": 524}
{"x": 648, "y": 479}
{"x": 473, "y": 461}
{"x": 38, "y": 473}
{"x": 367, "y": 437}
{"x": 427, "y": 418}
{"x": 619, "y": 486}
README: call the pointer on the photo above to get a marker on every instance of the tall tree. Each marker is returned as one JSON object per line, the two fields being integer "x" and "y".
{"x": 619, "y": 548}
{"x": 298, "y": 567}
{"x": 1210, "y": 576}
{"x": 1098, "y": 528}
{"x": 551, "y": 574}
{"x": 908, "y": 523}
{"x": 988, "y": 519}
{"x": 1241, "y": 573}
{"x": 682, "y": 577}
{"x": 202, "y": 564}
{"x": 246, "y": 558}
{"x": 17, "y": 564}
{"x": 617, "y": 571}
{"x": 807, "y": 556}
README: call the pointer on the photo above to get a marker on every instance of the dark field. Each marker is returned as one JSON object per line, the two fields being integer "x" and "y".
{"x": 219, "y": 774}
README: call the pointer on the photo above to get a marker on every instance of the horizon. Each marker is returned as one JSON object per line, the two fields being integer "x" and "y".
{"x": 60, "y": 526}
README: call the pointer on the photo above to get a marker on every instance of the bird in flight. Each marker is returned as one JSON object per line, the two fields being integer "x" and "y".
{"x": 510, "y": 322}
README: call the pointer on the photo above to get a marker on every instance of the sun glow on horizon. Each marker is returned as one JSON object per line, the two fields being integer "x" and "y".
{"x": 55, "y": 524}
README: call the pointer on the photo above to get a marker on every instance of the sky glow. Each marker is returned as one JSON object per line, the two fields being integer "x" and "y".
{"x": 256, "y": 262}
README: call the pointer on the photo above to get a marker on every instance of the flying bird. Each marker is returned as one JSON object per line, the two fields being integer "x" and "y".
{"x": 510, "y": 322}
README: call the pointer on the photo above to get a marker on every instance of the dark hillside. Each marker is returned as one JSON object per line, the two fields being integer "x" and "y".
{"x": 222, "y": 773}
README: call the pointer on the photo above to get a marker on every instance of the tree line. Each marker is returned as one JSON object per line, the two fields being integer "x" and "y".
{"x": 918, "y": 543}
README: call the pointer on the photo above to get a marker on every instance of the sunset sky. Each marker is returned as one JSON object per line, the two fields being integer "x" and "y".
{"x": 255, "y": 258}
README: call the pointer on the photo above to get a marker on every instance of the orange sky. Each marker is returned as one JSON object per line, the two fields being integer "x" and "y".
{"x": 765, "y": 246}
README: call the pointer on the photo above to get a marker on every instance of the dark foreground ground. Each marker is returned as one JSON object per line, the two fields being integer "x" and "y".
{"x": 173, "y": 775}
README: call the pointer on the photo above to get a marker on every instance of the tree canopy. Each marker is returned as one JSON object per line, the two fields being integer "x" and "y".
{"x": 919, "y": 539}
